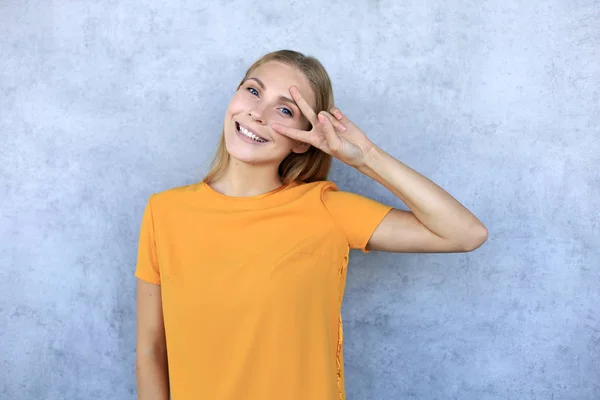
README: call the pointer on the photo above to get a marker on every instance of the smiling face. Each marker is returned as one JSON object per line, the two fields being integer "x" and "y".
{"x": 262, "y": 100}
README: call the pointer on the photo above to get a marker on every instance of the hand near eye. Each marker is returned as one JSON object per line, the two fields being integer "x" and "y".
{"x": 334, "y": 134}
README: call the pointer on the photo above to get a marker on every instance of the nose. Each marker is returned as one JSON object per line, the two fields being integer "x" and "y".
{"x": 257, "y": 114}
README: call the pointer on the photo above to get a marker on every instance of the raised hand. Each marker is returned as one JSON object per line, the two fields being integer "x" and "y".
{"x": 332, "y": 132}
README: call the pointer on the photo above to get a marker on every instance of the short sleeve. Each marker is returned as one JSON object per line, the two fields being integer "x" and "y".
{"x": 357, "y": 216}
{"x": 147, "y": 259}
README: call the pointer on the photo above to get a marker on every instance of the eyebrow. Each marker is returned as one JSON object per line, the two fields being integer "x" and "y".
{"x": 282, "y": 98}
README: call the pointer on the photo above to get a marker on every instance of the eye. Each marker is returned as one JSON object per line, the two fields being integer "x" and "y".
{"x": 287, "y": 111}
{"x": 253, "y": 91}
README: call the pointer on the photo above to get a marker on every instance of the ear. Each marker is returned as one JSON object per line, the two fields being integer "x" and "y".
{"x": 300, "y": 148}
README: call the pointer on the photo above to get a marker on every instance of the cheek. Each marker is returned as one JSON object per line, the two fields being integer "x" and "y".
{"x": 303, "y": 124}
{"x": 236, "y": 104}
{"x": 293, "y": 123}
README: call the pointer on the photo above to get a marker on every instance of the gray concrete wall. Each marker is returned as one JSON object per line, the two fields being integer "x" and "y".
{"x": 105, "y": 102}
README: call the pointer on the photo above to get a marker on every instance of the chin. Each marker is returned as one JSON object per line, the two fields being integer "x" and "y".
{"x": 242, "y": 151}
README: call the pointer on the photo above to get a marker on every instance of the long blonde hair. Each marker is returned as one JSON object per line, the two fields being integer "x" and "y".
{"x": 314, "y": 164}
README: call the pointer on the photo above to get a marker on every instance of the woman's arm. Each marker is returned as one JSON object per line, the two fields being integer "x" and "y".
{"x": 151, "y": 349}
{"x": 437, "y": 222}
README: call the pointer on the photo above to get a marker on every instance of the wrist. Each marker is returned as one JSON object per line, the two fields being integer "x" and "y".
{"x": 370, "y": 160}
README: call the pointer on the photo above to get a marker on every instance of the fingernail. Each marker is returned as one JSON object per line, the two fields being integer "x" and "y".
{"x": 343, "y": 127}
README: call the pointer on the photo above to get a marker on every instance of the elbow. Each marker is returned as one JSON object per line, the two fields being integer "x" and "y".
{"x": 476, "y": 239}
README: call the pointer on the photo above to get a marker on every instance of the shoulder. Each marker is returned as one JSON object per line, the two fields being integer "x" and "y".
{"x": 174, "y": 194}
{"x": 318, "y": 187}
{"x": 332, "y": 196}
{"x": 339, "y": 203}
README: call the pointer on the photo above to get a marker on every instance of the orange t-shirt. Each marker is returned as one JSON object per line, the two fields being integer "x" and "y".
{"x": 252, "y": 287}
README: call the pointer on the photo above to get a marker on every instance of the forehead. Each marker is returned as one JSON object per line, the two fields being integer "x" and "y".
{"x": 278, "y": 78}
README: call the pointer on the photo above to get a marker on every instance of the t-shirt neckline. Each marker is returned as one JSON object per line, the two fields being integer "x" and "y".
{"x": 277, "y": 197}
{"x": 245, "y": 199}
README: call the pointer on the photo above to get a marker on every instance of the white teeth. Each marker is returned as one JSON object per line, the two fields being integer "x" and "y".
{"x": 251, "y": 135}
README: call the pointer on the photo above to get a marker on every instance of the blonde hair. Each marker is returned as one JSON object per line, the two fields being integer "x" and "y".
{"x": 314, "y": 164}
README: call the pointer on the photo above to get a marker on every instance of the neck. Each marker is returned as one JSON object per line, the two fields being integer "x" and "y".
{"x": 243, "y": 180}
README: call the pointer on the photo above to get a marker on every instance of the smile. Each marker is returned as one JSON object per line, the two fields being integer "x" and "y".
{"x": 246, "y": 133}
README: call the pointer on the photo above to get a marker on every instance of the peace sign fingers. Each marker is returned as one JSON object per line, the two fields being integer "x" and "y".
{"x": 306, "y": 109}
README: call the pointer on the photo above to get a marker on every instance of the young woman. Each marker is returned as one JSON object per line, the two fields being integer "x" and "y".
{"x": 241, "y": 276}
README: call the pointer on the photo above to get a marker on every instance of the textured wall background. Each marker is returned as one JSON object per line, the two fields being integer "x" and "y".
{"x": 104, "y": 102}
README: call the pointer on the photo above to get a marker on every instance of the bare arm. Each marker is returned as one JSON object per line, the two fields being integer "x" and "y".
{"x": 437, "y": 222}
{"x": 151, "y": 350}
